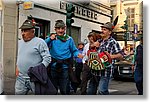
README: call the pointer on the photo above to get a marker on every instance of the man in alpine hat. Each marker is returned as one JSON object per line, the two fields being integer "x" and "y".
{"x": 32, "y": 51}
{"x": 62, "y": 50}
{"x": 112, "y": 49}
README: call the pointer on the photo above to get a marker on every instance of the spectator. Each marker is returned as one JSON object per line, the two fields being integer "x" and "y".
{"x": 78, "y": 65}
{"x": 86, "y": 74}
{"x": 138, "y": 74}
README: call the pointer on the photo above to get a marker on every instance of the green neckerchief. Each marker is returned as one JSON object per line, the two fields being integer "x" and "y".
{"x": 63, "y": 37}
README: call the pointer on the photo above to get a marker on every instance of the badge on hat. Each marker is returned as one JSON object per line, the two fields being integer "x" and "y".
{"x": 28, "y": 24}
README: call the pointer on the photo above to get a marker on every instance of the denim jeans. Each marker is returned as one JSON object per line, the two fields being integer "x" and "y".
{"x": 93, "y": 84}
{"x": 138, "y": 78}
{"x": 59, "y": 79}
{"x": 23, "y": 86}
{"x": 103, "y": 85}
{"x": 101, "y": 82}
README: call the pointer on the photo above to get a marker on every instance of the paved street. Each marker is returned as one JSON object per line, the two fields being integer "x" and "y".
{"x": 124, "y": 87}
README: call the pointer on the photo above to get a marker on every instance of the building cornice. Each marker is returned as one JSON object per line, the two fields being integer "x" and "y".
{"x": 102, "y": 5}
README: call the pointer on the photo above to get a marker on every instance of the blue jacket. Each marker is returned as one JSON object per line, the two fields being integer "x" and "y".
{"x": 43, "y": 85}
{"x": 79, "y": 60}
{"x": 62, "y": 50}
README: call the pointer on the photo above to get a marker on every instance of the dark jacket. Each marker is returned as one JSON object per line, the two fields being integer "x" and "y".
{"x": 43, "y": 85}
{"x": 139, "y": 55}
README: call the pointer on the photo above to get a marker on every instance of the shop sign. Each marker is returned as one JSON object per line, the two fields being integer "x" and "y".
{"x": 81, "y": 11}
{"x": 28, "y": 5}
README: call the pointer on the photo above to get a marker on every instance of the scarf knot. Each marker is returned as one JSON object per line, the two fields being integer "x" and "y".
{"x": 63, "y": 38}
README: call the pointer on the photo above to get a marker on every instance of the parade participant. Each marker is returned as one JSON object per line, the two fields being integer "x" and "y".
{"x": 112, "y": 47}
{"x": 138, "y": 63}
{"x": 62, "y": 49}
{"x": 79, "y": 64}
{"x": 32, "y": 52}
{"x": 86, "y": 74}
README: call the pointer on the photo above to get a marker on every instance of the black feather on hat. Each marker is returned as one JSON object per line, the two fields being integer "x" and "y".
{"x": 110, "y": 25}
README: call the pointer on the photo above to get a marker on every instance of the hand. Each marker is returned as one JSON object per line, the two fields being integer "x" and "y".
{"x": 17, "y": 71}
{"x": 111, "y": 56}
{"x": 53, "y": 36}
{"x": 132, "y": 67}
{"x": 80, "y": 55}
{"x": 96, "y": 44}
{"x": 116, "y": 56}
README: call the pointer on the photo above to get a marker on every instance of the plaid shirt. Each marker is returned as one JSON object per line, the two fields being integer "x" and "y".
{"x": 112, "y": 47}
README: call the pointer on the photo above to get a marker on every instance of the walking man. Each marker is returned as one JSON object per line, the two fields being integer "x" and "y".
{"x": 32, "y": 51}
{"x": 62, "y": 50}
{"x": 112, "y": 47}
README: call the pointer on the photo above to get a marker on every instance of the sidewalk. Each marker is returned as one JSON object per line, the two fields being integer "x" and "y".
{"x": 9, "y": 85}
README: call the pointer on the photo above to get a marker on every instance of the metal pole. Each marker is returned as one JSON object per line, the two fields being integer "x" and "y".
{"x": 69, "y": 30}
{"x": 126, "y": 32}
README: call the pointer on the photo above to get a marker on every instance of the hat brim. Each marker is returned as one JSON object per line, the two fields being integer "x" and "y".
{"x": 106, "y": 27}
{"x": 60, "y": 26}
{"x": 26, "y": 27}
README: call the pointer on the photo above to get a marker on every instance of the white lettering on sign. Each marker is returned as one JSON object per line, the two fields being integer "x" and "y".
{"x": 80, "y": 11}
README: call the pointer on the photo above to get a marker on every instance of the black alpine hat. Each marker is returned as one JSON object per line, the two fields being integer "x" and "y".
{"x": 28, "y": 24}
